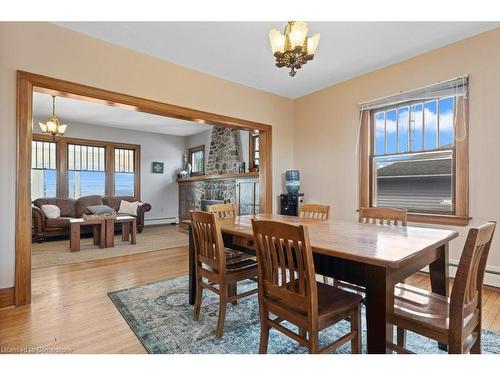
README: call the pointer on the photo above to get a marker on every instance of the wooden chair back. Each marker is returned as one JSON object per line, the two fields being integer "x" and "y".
{"x": 223, "y": 210}
{"x": 314, "y": 211}
{"x": 378, "y": 215}
{"x": 286, "y": 267}
{"x": 207, "y": 240}
{"x": 467, "y": 286}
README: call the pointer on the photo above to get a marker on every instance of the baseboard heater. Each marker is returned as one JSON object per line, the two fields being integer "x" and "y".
{"x": 161, "y": 220}
{"x": 491, "y": 274}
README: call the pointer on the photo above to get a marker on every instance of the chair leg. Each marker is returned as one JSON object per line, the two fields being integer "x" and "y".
{"x": 222, "y": 312}
{"x": 198, "y": 298}
{"x": 303, "y": 333}
{"x": 401, "y": 337}
{"x": 476, "y": 348}
{"x": 233, "y": 291}
{"x": 264, "y": 338}
{"x": 313, "y": 342}
{"x": 356, "y": 326}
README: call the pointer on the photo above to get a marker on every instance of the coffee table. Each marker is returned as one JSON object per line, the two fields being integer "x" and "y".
{"x": 129, "y": 229}
{"x": 98, "y": 229}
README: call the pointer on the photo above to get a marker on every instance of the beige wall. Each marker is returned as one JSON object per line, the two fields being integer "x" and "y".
{"x": 326, "y": 126}
{"x": 323, "y": 143}
{"x": 50, "y": 50}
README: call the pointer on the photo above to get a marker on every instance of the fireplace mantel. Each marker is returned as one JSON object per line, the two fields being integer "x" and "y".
{"x": 224, "y": 176}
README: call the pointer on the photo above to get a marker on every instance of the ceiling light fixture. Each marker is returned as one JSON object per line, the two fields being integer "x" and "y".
{"x": 53, "y": 126}
{"x": 293, "y": 48}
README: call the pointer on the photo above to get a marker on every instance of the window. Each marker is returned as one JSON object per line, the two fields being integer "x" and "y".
{"x": 86, "y": 170}
{"x": 197, "y": 160}
{"x": 414, "y": 153}
{"x": 412, "y": 161}
{"x": 43, "y": 170}
{"x": 254, "y": 151}
{"x": 124, "y": 171}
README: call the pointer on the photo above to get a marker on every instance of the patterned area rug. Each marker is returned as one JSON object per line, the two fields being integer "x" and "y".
{"x": 161, "y": 317}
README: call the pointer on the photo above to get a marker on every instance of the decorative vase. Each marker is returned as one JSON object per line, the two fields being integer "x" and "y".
{"x": 292, "y": 181}
{"x": 186, "y": 170}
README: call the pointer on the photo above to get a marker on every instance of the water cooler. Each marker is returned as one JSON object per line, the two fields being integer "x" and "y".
{"x": 290, "y": 204}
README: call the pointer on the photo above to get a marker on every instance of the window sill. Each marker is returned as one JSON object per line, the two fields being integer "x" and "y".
{"x": 439, "y": 219}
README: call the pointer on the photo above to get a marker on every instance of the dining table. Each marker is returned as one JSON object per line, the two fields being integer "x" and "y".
{"x": 374, "y": 256}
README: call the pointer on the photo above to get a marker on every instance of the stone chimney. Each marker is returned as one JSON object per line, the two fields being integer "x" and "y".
{"x": 225, "y": 149}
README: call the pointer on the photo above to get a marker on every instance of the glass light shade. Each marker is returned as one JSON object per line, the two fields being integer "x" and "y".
{"x": 298, "y": 34}
{"x": 312, "y": 44}
{"x": 51, "y": 126}
{"x": 61, "y": 129}
{"x": 43, "y": 127}
{"x": 277, "y": 41}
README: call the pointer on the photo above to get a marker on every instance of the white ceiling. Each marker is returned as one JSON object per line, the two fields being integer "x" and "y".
{"x": 240, "y": 51}
{"x": 85, "y": 112}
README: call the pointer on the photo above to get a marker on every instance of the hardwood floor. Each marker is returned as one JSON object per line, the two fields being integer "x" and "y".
{"x": 71, "y": 309}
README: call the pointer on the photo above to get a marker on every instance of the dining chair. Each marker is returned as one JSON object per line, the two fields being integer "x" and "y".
{"x": 288, "y": 290}
{"x": 383, "y": 216}
{"x": 223, "y": 210}
{"x": 454, "y": 321}
{"x": 217, "y": 266}
{"x": 314, "y": 211}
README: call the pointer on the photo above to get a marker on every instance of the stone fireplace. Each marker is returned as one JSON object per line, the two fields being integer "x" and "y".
{"x": 224, "y": 156}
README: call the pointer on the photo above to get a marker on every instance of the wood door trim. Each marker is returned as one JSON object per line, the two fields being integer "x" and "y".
{"x": 7, "y": 297}
{"x": 29, "y": 82}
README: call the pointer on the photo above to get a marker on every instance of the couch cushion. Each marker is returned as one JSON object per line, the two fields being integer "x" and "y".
{"x": 51, "y": 211}
{"x": 128, "y": 208}
{"x": 66, "y": 205}
{"x": 60, "y": 222}
{"x": 114, "y": 202}
{"x": 83, "y": 202}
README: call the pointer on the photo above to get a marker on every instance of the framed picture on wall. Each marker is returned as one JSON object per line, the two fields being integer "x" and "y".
{"x": 157, "y": 167}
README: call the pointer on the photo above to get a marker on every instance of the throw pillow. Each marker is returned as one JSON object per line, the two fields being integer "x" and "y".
{"x": 128, "y": 208}
{"x": 51, "y": 211}
{"x": 101, "y": 209}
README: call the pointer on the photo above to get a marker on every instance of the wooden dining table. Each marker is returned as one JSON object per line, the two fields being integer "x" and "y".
{"x": 374, "y": 256}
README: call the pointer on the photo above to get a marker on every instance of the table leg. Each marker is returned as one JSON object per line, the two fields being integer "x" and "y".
{"x": 74, "y": 240}
{"x": 379, "y": 307}
{"x": 96, "y": 233}
{"x": 110, "y": 233}
{"x": 192, "y": 269}
{"x": 133, "y": 234}
{"x": 102, "y": 234}
{"x": 439, "y": 274}
{"x": 125, "y": 231}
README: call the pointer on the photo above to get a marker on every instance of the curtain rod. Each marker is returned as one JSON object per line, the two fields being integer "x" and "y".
{"x": 419, "y": 88}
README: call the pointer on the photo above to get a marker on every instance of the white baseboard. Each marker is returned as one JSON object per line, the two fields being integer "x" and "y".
{"x": 165, "y": 220}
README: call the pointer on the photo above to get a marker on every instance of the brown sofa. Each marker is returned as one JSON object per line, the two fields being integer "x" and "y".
{"x": 70, "y": 208}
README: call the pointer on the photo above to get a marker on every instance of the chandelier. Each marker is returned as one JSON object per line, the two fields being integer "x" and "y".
{"x": 293, "y": 48}
{"x": 53, "y": 125}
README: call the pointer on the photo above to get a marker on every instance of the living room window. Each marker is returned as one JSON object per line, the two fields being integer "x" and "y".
{"x": 413, "y": 153}
{"x": 72, "y": 167}
{"x": 124, "y": 171}
{"x": 43, "y": 170}
{"x": 197, "y": 160}
{"x": 86, "y": 170}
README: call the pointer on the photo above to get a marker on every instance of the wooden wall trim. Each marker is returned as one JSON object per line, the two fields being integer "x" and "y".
{"x": 29, "y": 82}
{"x": 7, "y": 297}
{"x": 364, "y": 160}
